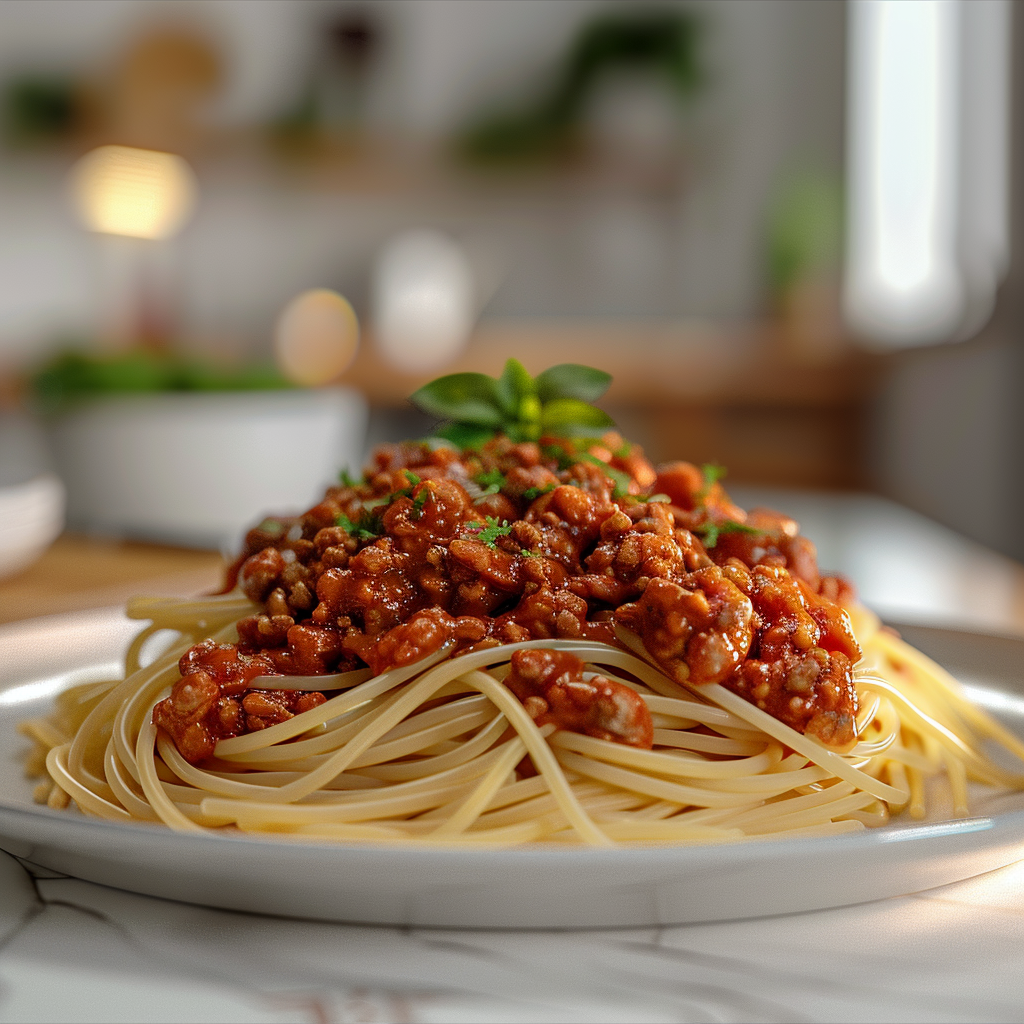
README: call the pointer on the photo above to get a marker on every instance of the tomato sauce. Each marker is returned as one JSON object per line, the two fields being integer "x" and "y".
{"x": 529, "y": 541}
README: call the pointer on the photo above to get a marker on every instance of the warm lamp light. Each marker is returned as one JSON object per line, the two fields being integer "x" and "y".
{"x": 139, "y": 193}
{"x": 316, "y": 338}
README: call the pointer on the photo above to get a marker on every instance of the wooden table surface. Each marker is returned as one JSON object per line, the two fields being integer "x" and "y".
{"x": 87, "y": 572}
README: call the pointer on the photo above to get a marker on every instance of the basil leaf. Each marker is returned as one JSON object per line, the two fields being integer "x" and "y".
{"x": 513, "y": 386}
{"x": 571, "y": 380}
{"x": 571, "y": 414}
{"x": 464, "y": 435}
{"x": 464, "y": 397}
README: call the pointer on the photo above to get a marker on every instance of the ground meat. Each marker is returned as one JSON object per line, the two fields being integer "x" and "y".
{"x": 213, "y": 699}
{"x": 426, "y": 632}
{"x": 770, "y": 539}
{"x": 552, "y": 688}
{"x": 800, "y": 664}
{"x": 700, "y": 630}
{"x": 528, "y": 540}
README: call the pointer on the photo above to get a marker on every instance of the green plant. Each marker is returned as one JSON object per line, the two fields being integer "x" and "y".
{"x": 805, "y": 228}
{"x": 474, "y": 407}
{"x": 659, "y": 40}
{"x": 73, "y": 376}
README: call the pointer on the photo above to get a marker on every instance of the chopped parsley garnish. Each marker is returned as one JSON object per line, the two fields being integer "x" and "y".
{"x": 710, "y": 532}
{"x": 490, "y": 531}
{"x": 712, "y": 474}
{"x": 367, "y": 527}
{"x": 560, "y": 455}
{"x": 348, "y": 479}
{"x": 622, "y": 480}
{"x": 420, "y": 501}
{"x": 532, "y": 493}
{"x": 492, "y": 481}
{"x": 405, "y": 492}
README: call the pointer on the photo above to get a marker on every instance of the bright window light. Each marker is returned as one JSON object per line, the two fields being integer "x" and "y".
{"x": 928, "y": 167}
{"x": 903, "y": 282}
{"x": 139, "y": 193}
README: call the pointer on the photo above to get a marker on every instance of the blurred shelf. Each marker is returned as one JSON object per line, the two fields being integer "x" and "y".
{"x": 392, "y": 167}
{"x": 85, "y": 572}
{"x": 664, "y": 364}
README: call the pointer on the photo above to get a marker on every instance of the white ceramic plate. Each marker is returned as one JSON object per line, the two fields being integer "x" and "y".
{"x": 515, "y": 888}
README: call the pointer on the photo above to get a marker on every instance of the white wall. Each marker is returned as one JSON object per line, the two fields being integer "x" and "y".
{"x": 774, "y": 99}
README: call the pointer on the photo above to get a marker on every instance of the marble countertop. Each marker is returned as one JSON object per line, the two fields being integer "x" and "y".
{"x": 75, "y": 951}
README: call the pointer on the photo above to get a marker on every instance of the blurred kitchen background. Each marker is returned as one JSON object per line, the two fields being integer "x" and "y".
{"x": 785, "y": 227}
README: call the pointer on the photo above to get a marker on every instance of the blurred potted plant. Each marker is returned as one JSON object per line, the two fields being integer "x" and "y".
{"x": 151, "y": 442}
{"x": 656, "y": 47}
{"x": 804, "y": 242}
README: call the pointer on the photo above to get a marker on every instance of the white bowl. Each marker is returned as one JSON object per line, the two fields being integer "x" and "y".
{"x": 31, "y": 518}
{"x": 200, "y": 468}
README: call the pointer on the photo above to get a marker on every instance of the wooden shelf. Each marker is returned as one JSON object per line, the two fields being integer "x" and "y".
{"x": 652, "y": 363}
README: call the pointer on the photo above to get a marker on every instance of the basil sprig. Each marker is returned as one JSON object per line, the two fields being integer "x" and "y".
{"x": 474, "y": 407}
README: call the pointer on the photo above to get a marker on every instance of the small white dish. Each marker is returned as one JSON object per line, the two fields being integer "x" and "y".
{"x": 518, "y": 888}
{"x": 31, "y": 519}
{"x": 195, "y": 468}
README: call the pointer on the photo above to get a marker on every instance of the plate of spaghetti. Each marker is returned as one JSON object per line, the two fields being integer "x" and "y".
{"x": 512, "y": 675}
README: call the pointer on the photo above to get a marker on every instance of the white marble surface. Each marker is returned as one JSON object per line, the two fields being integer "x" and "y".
{"x": 75, "y": 951}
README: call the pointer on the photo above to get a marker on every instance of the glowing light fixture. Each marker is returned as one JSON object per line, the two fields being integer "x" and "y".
{"x": 316, "y": 338}
{"x": 139, "y": 193}
{"x": 926, "y": 235}
{"x": 424, "y": 300}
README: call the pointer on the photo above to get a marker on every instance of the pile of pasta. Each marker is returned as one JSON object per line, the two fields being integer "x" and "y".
{"x": 433, "y": 753}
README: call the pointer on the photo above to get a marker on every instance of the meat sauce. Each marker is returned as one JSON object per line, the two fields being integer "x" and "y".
{"x": 529, "y": 541}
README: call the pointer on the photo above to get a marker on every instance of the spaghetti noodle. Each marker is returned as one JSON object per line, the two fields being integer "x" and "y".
{"x": 520, "y": 643}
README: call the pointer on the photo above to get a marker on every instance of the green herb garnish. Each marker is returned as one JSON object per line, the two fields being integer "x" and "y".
{"x": 367, "y": 527}
{"x": 492, "y": 530}
{"x": 559, "y": 454}
{"x": 622, "y": 480}
{"x": 475, "y": 407}
{"x": 492, "y": 481}
{"x": 348, "y": 479}
{"x": 712, "y": 474}
{"x": 405, "y": 492}
{"x": 532, "y": 493}
{"x": 420, "y": 501}
{"x": 710, "y": 532}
